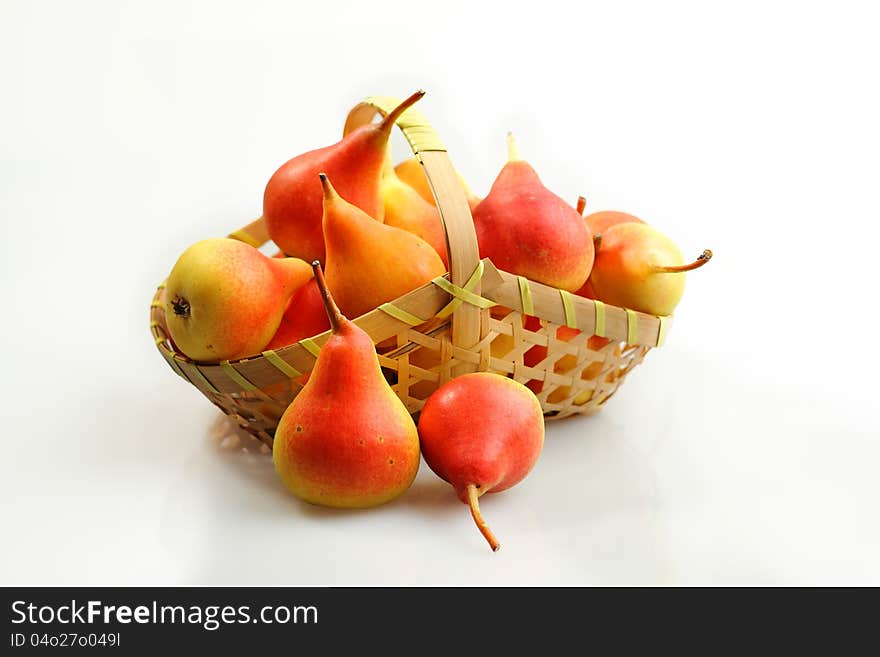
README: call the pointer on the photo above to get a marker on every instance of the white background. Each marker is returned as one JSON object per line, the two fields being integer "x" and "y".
{"x": 744, "y": 452}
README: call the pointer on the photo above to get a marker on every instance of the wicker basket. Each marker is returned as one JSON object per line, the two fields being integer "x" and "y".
{"x": 476, "y": 318}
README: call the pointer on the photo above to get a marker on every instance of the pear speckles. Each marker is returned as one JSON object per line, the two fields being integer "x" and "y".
{"x": 343, "y": 460}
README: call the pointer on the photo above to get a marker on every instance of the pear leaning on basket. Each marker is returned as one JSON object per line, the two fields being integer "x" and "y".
{"x": 346, "y": 440}
{"x": 491, "y": 458}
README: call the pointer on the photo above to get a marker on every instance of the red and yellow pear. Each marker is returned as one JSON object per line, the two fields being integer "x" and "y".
{"x": 370, "y": 263}
{"x": 526, "y": 229}
{"x": 639, "y": 267}
{"x": 292, "y": 205}
{"x": 224, "y": 299}
{"x": 598, "y": 222}
{"x": 346, "y": 440}
{"x": 493, "y": 458}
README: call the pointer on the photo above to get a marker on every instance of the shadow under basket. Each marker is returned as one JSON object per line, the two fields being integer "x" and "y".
{"x": 574, "y": 353}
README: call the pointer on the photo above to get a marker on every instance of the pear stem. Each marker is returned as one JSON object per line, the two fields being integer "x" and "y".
{"x": 512, "y": 150}
{"x": 392, "y": 116}
{"x": 329, "y": 190}
{"x": 330, "y": 306}
{"x": 581, "y": 204}
{"x": 472, "y": 496}
{"x": 701, "y": 260}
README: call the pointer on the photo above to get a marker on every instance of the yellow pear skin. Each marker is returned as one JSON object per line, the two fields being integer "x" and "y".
{"x": 406, "y": 209}
{"x": 639, "y": 267}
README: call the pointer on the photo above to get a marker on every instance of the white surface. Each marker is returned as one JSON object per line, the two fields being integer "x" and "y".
{"x": 744, "y": 452}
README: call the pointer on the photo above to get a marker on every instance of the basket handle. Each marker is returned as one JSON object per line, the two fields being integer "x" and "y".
{"x": 461, "y": 238}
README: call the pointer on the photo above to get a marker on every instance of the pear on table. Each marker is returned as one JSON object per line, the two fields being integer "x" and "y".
{"x": 224, "y": 299}
{"x": 489, "y": 460}
{"x": 370, "y": 263}
{"x": 292, "y": 201}
{"x": 526, "y": 229}
{"x": 346, "y": 440}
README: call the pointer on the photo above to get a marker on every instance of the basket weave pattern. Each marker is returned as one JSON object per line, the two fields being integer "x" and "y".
{"x": 472, "y": 319}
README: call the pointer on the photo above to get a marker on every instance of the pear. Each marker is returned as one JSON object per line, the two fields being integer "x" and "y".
{"x": 526, "y": 229}
{"x": 489, "y": 460}
{"x": 346, "y": 440}
{"x": 369, "y": 263}
{"x": 405, "y": 208}
{"x": 639, "y": 267}
{"x": 586, "y": 291}
{"x": 600, "y": 221}
{"x": 224, "y": 299}
{"x": 304, "y": 317}
{"x": 412, "y": 173}
{"x": 292, "y": 199}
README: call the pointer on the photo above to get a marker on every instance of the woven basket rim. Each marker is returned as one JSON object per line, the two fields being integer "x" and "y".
{"x": 620, "y": 323}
